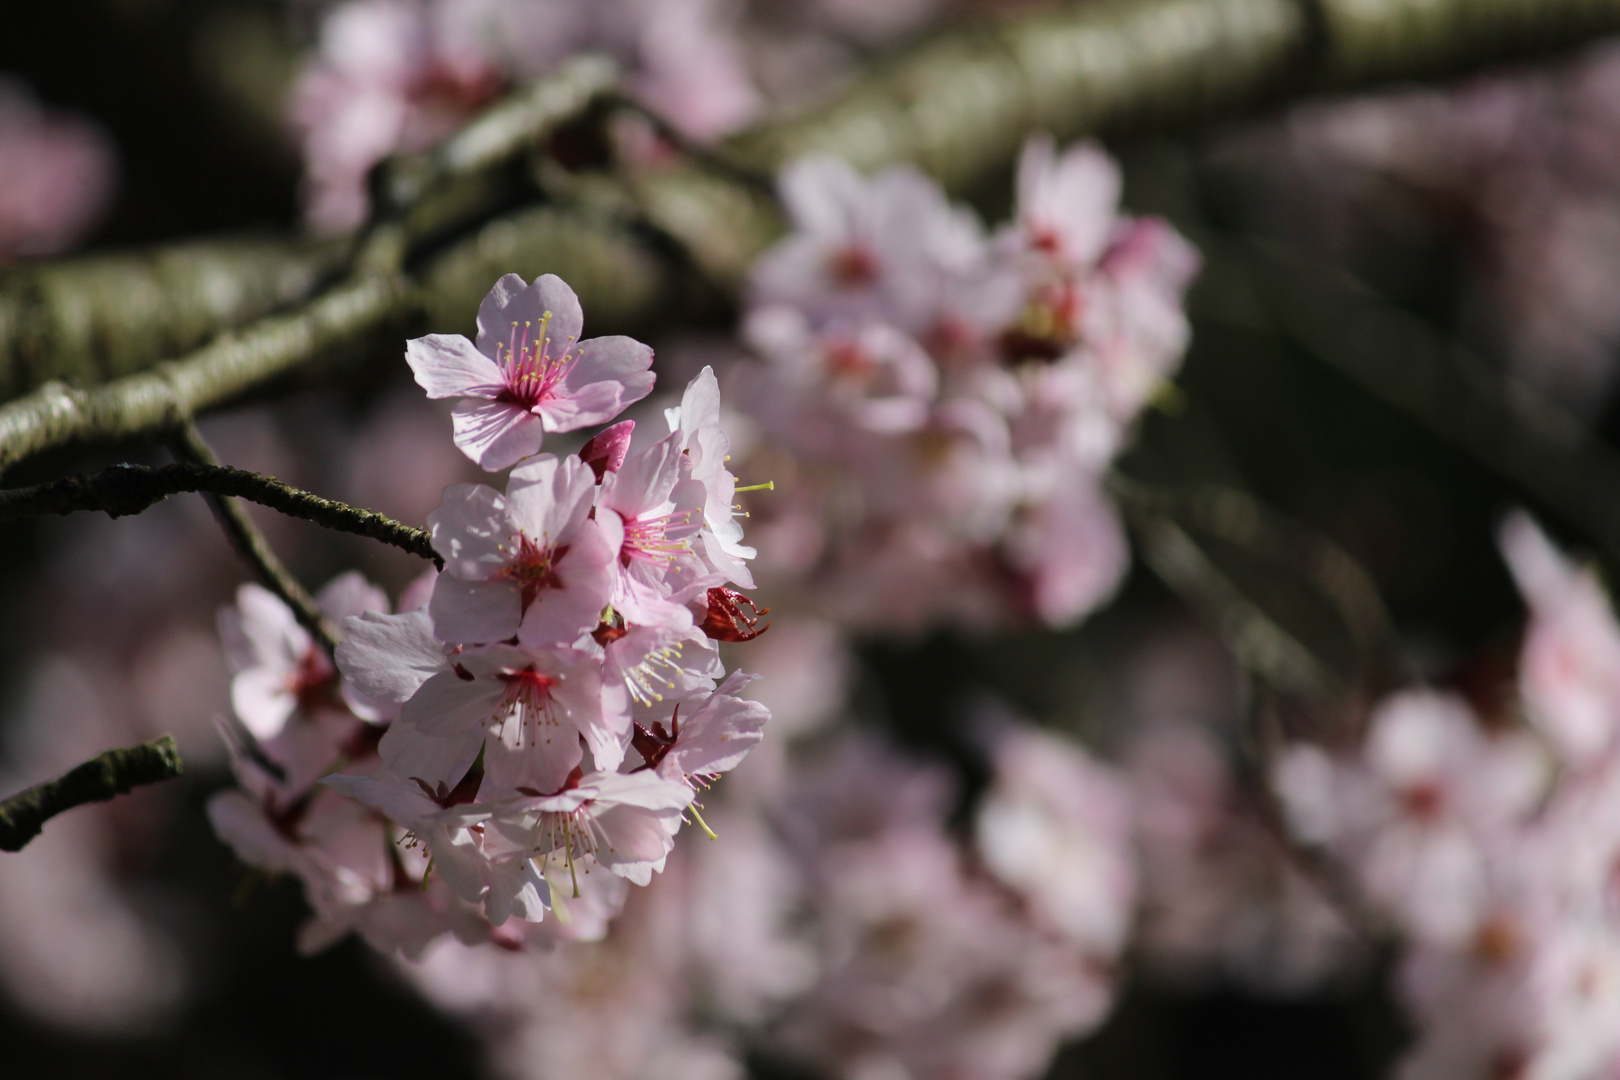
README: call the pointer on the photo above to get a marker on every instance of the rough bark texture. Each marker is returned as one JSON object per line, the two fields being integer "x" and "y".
{"x": 128, "y": 489}
{"x": 101, "y": 778}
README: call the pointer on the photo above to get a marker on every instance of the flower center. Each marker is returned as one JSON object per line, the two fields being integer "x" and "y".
{"x": 312, "y": 682}
{"x": 530, "y": 373}
{"x": 1048, "y": 327}
{"x": 853, "y": 266}
{"x": 533, "y": 568}
{"x": 649, "y": 539}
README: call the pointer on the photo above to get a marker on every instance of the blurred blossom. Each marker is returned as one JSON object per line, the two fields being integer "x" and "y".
{"x": 1222, "y": 899}
{"x": 1496, "y": 869}
{"x": 79, "y": 946}
{"x": 949, "y": 400}
{"x": 399, "y": 75}
{"x": 58, "y": 174}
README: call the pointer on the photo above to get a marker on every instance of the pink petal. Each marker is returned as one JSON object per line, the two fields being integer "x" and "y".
{"x": 511, "y": 301}
{"x": 474, "y": 612}
{"x": 447, "y": 365}
{"x": 549, "y": 499}
{"x": 495, "y": 435}
{"x": 593, "y": 403}
{"x": 387, "y": 657}
{"x": 471, "y": 531}
{"x": 619, "y": 359}
{"x": 448, "y": 705}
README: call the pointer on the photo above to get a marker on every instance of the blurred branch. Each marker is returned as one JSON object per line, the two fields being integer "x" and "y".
{"x": 112, "y": 773}
{"x": 1402, "y": 360}
{"x": 129, "y": 489}
{"x": 172, "y": 393}
{"x": 93, "y": 318}
{"x": 959, "y": 105}
{"x": 1169, "y": 520}
{"x": 188, "y": 445}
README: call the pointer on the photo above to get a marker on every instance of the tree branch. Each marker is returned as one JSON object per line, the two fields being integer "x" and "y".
{"x": 252, "y": 545}
{"x": 113, "y": 773}
{"x": 129, "y": 489}
{"x": 959, "y": 105}
{"x": 172, "y": 393}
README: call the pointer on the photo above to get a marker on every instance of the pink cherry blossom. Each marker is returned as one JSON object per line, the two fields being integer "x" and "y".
{"x": 528, "y": 564}
{"x": 285, "y": 691}
{"x": 885, "y": 246}
{"x": 624, "y": 822}
{"x": 706, "y": 449}
{"x": 530, "y": 373}
{"x": 718, "y": 731}
{"x": 1569, "y": 672}
{"x": 651, "y": 515}
{"x": 1056, "y": 827}
{"x": 526, "y": 709}
{"x": 57, "y": 175}
{"x": 1066, "y": 205}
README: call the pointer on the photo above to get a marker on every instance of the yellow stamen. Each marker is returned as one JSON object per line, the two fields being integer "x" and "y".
{"x": 704, "y": 825}
{"x": 769, "y": 485}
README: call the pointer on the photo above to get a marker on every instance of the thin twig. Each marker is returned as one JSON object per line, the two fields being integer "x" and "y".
{"x": 112, "y": 773}
{"x": 1259, "y": 642}
{"x": 189, "y": 445}
{"x": 129, "y": 489}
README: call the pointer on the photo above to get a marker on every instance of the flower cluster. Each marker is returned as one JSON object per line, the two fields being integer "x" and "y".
{"x": 950, "y": 399}
{"x": 528, "y": 733}
{"x": 1492, "y": 846}
{"x": 844, "y": 927}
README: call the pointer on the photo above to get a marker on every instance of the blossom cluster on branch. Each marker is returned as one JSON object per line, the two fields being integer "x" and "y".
{"x": 527, "y": 734}
{"x": 947, "y": 399}
{"x": 1487, "y": 833}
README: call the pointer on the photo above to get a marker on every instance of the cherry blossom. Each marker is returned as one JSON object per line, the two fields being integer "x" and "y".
{"x": 530, "y": 373}
{"x": 951, "y": 402}
{"x": 528, "y": 564}
{"x": 473, "y": 759}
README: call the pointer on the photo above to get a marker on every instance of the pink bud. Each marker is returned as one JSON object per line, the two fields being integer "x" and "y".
{"x": 606, "y": 451}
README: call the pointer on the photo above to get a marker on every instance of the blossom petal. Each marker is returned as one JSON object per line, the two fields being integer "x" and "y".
{"x": 448, "y": 705}
{"x": 494, "y": 434}
{"x": 387, "y": 657}
{"x": 474, "y": 612}
{"x": 471, "y": 531}
{"x": 447, "y": 365}
{"x": 513, "y": 302}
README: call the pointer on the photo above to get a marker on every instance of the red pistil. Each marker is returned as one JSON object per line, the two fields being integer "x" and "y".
{"x": 655, "y": 743}
{"x": 465, "y": 791}
{"x": 313, "y": 681}
{"x": 727, "y": 621}
{"x": 572, "y": 782}
{"x": 853, "y": 266}
{"x": 534, "y": 568}
{"x": 1424, "y": 801}
{"x": 610, "y": 630}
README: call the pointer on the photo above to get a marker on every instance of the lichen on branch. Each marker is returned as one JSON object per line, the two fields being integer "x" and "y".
{"x": 104, "y": 776}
